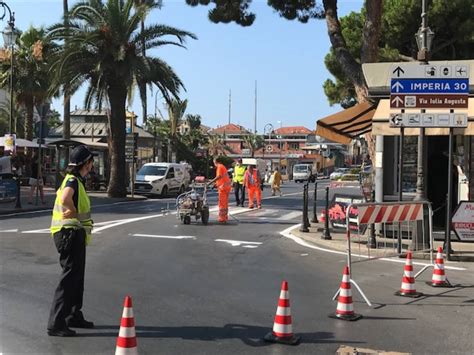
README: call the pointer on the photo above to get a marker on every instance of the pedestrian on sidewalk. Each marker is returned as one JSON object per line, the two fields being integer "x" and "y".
{"x": 238, "y": 180}
{"x": 36, "y": 181}
{"x": 222, "y": 181}
{"x": 71, "y": 228}
{"x": 276, "y": 182}
{"x": 253, "y": 182}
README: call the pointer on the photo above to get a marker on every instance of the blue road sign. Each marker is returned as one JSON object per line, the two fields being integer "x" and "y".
{"x": 429, "y": 86}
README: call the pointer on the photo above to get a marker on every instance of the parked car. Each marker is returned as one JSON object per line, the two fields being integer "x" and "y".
{"x": 162, "y": 179}
{"x": 338, "y": 173}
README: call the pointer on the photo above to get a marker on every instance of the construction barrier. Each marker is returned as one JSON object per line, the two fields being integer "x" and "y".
{"x": 401, "y": 225}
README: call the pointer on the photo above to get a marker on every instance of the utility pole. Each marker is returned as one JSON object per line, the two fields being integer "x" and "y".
{"x": 255, "y": 118}
{"x": 230, "y": 104}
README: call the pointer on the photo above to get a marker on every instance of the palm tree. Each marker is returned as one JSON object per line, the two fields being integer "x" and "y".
{"x": 176, "y": 109}
{"x": 105, "y": 50}
{"x": 253, "y": 142}
{"x": 216, "y": 145}
{"x": 31, "y": 73}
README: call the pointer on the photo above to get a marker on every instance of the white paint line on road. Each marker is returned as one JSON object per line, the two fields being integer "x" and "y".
{"x": 37, "y": 231}
{"x": 163, "y": 236}
{"x": 9, "y": 231}
{"x": 236, "y": 243}
{"x": 129, "y": 220}
{"x": 287, "y": 233}
{"x": 291, "y": 215}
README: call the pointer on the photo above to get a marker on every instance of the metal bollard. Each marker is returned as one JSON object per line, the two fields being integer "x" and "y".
{"x": 18, "y": 193}
{"x": 315, "y": 204}
{"x": 372, "y": 241}
{"x": 326, "y": 232}
{"x": 304, "y": 223}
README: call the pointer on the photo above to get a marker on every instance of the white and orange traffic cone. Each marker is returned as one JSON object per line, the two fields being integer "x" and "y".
{"x": 345, "y": 306}
{"x": 439, "y": 277}
{"x": 282, "y": 327}
{"x": 408, "y": 280}
{"x": 127, "y": 340}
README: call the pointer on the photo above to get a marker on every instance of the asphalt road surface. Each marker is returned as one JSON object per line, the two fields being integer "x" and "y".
{"x": 214, "y": 289}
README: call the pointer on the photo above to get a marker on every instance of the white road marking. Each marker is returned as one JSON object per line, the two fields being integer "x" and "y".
{"x": 286, "y": 233}
{"x": 237, "y": 243}
{"x": 9, "y": 231}
{"x": 291, "y": 215}
{"x": 37, "y": 231}
{"x": 163, "y": 236}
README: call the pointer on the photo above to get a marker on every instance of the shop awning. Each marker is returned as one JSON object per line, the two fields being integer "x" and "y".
{"x": 346, "y": 125}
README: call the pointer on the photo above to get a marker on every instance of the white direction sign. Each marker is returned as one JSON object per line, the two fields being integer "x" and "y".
{"x": 444, "y": 120}
{"x": 420, "y": 71}
{"x": 463, "y": 221}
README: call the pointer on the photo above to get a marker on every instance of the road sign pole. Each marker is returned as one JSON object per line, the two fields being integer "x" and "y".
{"x": 400, "y": 183}
{"x": 447, "y": 245}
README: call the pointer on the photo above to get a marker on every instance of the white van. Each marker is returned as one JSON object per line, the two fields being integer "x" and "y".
{"x": 302, "y": 172}
{"x": 162, "y": 179}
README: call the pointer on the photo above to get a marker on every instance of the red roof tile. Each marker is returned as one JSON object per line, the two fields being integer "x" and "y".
{"x": 293, "y": 130}
{"x": 229, "y": 128}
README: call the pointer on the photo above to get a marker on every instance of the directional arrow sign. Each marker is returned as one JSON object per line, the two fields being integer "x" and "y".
{"x": 396, "y": 120}
{"x": 397, "y": 86}
{"x": 396, "y": 102}
{"x": 398, "y": 71}
{"x": 430, "y": 86}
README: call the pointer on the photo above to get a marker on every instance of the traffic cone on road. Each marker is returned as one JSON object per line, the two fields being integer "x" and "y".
{"x": 127, "y": 340}
{"x": 439, "y": 277}
{"x": 408, "y": 280}
{"x": 282, "y": 327}
{"x": 345, "y": 307}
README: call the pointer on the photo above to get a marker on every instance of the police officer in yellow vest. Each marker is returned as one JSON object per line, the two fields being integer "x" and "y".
{"x": 238, "y": 180}
{"x": 71, "y": 228}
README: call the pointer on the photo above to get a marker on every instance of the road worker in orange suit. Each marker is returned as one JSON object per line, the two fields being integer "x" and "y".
{"x": 223, "y": 184}
{"x": 252, "y": 182}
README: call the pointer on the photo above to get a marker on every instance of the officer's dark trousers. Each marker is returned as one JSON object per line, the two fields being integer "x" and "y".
{"x": 67, "y": 301}
{"x": 239, "y": 191}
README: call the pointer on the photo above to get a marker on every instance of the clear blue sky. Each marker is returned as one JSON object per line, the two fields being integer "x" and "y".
{"x": 285, "y": 57}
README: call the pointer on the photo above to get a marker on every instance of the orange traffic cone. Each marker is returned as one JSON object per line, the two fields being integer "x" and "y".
{"x": 127, "y": 340}
{"x": 345, "y": 307}
{"x": 408, "y": 280}
{"x": 282, "y": 328}
{"x": 439, "y": 278}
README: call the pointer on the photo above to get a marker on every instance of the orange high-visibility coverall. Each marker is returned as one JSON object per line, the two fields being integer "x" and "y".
{"x": 223, "y": 188}
{"x": 252, "y": 183}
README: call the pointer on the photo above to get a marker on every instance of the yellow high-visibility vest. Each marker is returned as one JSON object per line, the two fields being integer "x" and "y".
{"x": 239, "y": 172}
{"x": 83, "y": 219}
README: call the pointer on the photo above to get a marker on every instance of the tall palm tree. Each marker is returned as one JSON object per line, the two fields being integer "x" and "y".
{"x": 176, "y": 109}
{"x": 253, "y": 142}
{"x": 31, "y": 75}
{"x": 105, "y": 50}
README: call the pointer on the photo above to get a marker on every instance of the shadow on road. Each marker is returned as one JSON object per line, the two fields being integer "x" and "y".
{"x": 248, "y": 334}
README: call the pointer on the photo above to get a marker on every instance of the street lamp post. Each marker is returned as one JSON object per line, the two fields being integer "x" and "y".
{"x": 424, "y": 39}
{"x": 9, "y": 38}
{"x": 268, "y": 128}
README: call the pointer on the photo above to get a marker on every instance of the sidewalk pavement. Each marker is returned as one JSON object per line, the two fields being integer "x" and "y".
{"x": 97, "y": 198}
{"x": 463, "y": 255}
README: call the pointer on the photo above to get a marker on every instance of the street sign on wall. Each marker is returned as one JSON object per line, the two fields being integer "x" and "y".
{"x": 463, "y": 221}
{"x": 429, "y": 86}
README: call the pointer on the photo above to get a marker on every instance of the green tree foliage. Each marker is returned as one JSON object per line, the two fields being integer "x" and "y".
{"x": 105, "y": 49}
{"x": 454, "y": 40}
{"x": 253, "y": 142}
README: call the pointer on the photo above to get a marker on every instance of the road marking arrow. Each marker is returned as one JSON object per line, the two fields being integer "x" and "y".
{"x": 397, "y": 101}
{"x": 398, "y": 70}
{"x": 397, "y": 86}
